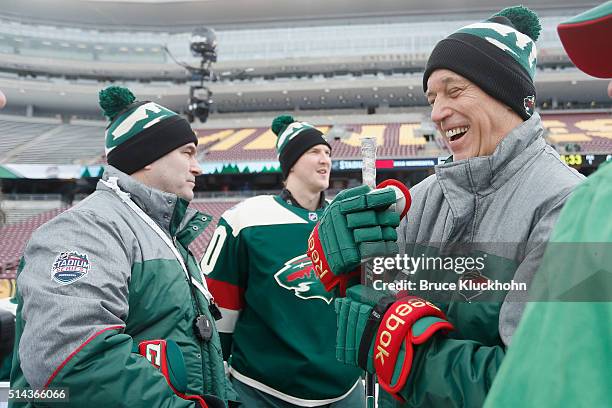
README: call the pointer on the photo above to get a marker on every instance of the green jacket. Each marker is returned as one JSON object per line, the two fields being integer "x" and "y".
{"x": 500, "y": 207}
{"x": 93, "y": 283}
{"x": 562, "y": 350}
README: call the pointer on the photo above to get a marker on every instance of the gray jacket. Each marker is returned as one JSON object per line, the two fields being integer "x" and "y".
{"x": 94, "y": 283}
{"x": 502, "y": 207}
{"x": 512, "y": 197}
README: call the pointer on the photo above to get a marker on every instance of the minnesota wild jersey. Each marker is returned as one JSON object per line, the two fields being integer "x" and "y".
{"x": 280, "y": 319}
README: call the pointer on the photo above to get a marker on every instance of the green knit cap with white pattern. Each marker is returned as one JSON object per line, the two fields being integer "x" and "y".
{"x": 140, "y": 132}
{"x": 294, "y": 139}
{"x": 498, "y": 54}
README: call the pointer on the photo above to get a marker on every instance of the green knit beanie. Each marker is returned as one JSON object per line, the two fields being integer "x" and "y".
{"x": 498, "y": 55}
{"x": 140, "y": 132}
{"x": 294, "y": 139}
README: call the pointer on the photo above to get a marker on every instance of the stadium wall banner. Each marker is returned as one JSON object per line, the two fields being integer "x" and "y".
{"x": 240, "y": 167}
{"x": 49, "y": 171}
{"x": 75, "y": 171}
{"x": 389, "y": 164}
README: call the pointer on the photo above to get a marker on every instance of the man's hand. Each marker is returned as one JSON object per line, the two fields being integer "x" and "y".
{"x": 167, "y": 357}
{"x": 356, "y": 226}
{"x": 377, "y": 331}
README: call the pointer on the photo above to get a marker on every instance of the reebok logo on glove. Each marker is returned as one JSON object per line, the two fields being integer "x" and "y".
{"x": 393, "y": 320}
{"x": 409, "y": 321}
{"x": 314, "y": 250}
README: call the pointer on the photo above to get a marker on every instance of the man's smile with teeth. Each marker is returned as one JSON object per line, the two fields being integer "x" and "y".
{"x": 456, "y": 133}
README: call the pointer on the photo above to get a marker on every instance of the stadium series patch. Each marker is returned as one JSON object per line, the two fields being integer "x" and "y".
{"x": 69, "y": 267}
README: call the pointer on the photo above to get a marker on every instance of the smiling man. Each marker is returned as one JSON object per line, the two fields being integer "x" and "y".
{"x": 500, "y": 193}
{"x": 471, "y": 121}
{"x": 277, "y": 315}
{"x": 497, "y": 199}
{"x": 110, "y": 298}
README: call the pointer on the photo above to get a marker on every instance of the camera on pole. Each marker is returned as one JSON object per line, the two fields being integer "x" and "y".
{"x": 200, "y": 99}
{"x": 203, "y": 45}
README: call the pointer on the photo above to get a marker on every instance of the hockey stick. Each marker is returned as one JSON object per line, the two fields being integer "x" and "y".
{"x": 368, "y": 175}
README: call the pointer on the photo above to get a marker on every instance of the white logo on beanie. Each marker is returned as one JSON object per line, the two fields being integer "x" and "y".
{"x": 522, "y": 40}
{"x": 292, "y": 131}
{"x": 139, "y": 114}
{"x": 500, "y": 45}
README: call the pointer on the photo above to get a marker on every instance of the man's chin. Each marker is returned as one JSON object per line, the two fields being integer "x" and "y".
{"x": 188, "y": 196}
{"x": 461, "y": 155}
{"x": 324, "y": 186}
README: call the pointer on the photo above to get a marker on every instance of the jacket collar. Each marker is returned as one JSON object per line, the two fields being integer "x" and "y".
{"x": 464, "y": 181}
{"x": 167, "y": 210}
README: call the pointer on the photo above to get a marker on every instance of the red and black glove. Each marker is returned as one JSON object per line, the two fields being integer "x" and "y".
{"x": 167, "y": 357}
{"x": 377, "y": 331}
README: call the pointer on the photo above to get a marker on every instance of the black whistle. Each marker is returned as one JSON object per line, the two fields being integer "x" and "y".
{"x": 203, "y": 328}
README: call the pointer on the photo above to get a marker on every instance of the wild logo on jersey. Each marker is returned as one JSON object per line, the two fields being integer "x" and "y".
{"x": 299, "y": 275}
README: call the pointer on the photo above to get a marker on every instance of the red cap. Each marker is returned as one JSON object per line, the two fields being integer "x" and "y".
{"x": 587, "y": 39}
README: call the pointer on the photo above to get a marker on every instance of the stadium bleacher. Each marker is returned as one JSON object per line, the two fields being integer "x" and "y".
{"x": 15, "y": 134}
{"x": 36, "y": 143}
{"x": 15, "y": 236}
{"x": 17, "y": 211}
{"x": 394, "y": 140}
{"x": 66, "y": 144}
{"x": 592, "y": 132}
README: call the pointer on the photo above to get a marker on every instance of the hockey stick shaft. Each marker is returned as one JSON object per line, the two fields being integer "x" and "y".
{"x": 368, "y": 175}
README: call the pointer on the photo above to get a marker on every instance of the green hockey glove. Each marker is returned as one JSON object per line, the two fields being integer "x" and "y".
{"x": 377, "y": 331}
{"x": 359, "y": 224}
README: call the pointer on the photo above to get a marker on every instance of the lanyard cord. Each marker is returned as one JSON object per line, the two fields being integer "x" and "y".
{"x": 125, "y": 197}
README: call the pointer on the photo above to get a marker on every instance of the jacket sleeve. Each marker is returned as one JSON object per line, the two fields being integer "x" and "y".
{"x": 225, "y": 265}
{"x": 73, "y": 292}
{"x": 451, "y": 373}
{"x": 514, "y": 304}
{"x": 565, "y": 324}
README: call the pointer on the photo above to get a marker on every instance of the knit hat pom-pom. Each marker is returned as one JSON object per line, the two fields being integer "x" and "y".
{"x": 114, "y": 99}
{"x": 524, "y": 20}
{"x": 280, "y": 123}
